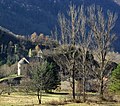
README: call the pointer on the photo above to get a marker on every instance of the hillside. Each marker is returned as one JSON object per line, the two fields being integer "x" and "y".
{"x": 117, "y": 1}
{"x": 28, "y": 16}
{"x": 6, "y": 36}
{"x": 12, "y": 46}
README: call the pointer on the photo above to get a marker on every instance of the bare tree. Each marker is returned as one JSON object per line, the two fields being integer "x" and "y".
{"x": 102, "y": 27}
{"x": 75, "y": 40}
{"x": 82, "y": 29}
{"x": 69, "y": 30}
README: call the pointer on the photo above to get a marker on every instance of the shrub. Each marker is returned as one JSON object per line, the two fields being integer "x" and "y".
{"x": 115, "y": 80}
{"x": 55, "y": 102}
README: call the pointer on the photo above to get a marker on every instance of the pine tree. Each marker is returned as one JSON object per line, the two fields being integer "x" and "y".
{"x": 115, "y": 80}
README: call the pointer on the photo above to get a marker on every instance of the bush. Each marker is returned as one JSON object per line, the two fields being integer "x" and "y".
{"x": 115, "y": 80}
{"x": 55, "y": 102}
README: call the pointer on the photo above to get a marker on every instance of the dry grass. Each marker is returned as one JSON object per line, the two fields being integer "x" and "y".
{"x": 21, "y": 99}
{"x": 17, "y": 99}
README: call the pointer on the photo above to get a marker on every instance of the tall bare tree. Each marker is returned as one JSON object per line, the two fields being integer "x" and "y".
{"x": 84, "y": 42}
{"x": 82, "y": 29}
{"x": 75, "y": 39}
{"x": 69, "y": 28}
{"x": 102, "y": 28}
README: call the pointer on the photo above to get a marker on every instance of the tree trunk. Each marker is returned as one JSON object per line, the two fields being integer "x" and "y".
{"x": 73, "y": 89}
{"x": 101, "y": 91}
{"x": 39, "y": 96}
{"x": 9, "y": 90}
{"x": 79, "y": 89}
{"x": 73, "y": 80}
{"x": 84, "y": 95}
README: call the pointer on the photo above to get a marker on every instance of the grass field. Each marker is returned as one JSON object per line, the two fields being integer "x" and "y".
{"x": 22, "y": 99}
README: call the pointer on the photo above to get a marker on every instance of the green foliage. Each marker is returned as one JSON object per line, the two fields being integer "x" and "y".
{"x": 115, "y": 80}
{"x": 11, "y": 59}
{"x": 44, "y": 76}
{"x": 36, "y": 73}
{"x": 51, "y": 77}
{"x": 2, "y": 62}
{"x": 38, "y": 78}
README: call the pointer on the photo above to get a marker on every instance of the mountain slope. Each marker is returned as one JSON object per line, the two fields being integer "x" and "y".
{"x": 28, "y": 16}
{"x": 117, "y": 1}
{"x": 6, "y": 36}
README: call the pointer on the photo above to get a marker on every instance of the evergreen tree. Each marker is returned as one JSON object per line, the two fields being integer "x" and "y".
{"x": 51, "y": 77}
{"x": 2, "y": 48}
{"x": 10, "y": 48}
{"x": 115, "y": 80}
{"x": 44, "y": 76}
{"x": 37, "y": 77}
